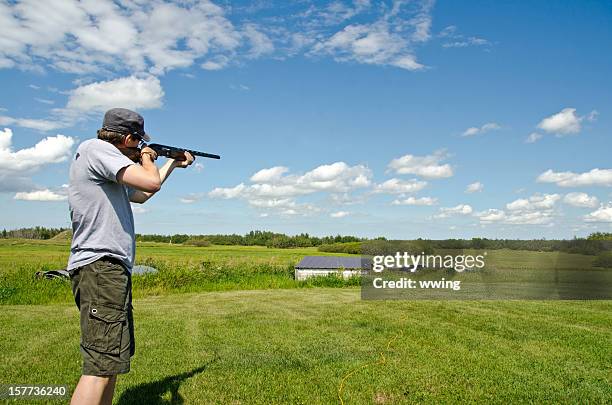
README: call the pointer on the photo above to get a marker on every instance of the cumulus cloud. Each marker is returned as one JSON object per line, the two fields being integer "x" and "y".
{"x": 269, "y": 175}
{"x": 104, "y": 36}
{"x": 429, "y": 167}
{"x": 602, "y": 214}
{"x": 52, "y": 149}
{"x": 40, "y": 195}
{"x": 535, "y": 210}
{"x": 416, "y": 201}
{"x": 491, "y": 215}
{"x": 488, "y": 127}
{"x": 374, "y": 44}
{"x": 474, "y": 187}
{"x": 594, "y": 177}
{"x": 565, "y": 122}
{"x": 581, "y": 200}
{"x": 339, "y": 214}
{"x": 397, "y": 186}
{"x": 389, "y": 40}
{"x": 274, "y": 188}
{"x": 94, "y": 36}
{"x": 461, "y": 209}
{"x": 128, "y": 92}
{"x": 535, "y": 202}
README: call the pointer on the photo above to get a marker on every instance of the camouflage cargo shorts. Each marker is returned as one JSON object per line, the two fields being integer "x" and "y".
{"x": 103, "y": 293}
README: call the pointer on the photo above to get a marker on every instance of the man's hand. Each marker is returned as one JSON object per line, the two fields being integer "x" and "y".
{"x": 182, "y": 163}
{"x": 148, "y": 151}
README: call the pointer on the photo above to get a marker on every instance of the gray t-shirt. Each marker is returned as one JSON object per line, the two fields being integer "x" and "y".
{"x": 102, "y": 220}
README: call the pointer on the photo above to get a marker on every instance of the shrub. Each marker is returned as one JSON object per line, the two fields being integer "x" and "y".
{"x": 603, "y": 260}
{"x": 197, "y": 242}
{"x": 348, "y": 247}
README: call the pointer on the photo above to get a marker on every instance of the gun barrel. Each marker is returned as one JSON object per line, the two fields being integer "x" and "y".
{"x": 203, "y": 154}
{"x": 165, "y": 150}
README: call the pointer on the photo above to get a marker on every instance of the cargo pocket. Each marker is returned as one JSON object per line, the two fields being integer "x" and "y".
{"x": 104, "y": 329}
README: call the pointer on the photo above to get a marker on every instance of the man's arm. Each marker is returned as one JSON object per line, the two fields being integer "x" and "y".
{"x": 142, "y": 196}
{"x": 143, "y": 177}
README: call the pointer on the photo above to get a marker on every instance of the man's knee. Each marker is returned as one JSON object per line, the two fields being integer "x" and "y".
{"x": 99, "y": 380}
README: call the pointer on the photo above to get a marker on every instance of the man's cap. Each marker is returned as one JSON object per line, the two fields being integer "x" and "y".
{"x": 125, "y": 121}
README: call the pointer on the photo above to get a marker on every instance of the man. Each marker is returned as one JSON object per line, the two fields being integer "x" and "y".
{"x": 103, "y": 182}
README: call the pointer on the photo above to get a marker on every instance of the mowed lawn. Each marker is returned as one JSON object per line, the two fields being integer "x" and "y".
{"x": 306, "y": 345}
{"x": 229, "y": 324}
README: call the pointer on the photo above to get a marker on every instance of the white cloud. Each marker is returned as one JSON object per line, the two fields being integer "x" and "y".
{"x": 488, "y": 127}
{"x": 491, "y": 215}
{"x": 592, "y": 116}
{"x": 461, "y": 209}
{"x": 416, "y": 201}
{"x": 44, "y": 101}
{"x": 374, "y": 44}
{"x": 337, "y": 11}
{"x": 273, "y": 188}
{"x": 453, "y": 39}
{"x": 53, "y": 149}
{"x": 339, "y": 214}
{"x": 594, "y": 177}
{"x": 104, "y": 36}
{"x": 397, "y": 186}
{"x": 37, "y": 124}
{"x": 429, "y": 167}
{"x": 565, "y": 122}
{"x": 533, "y": 137}
{"x": 198, "y": 167}
{"x": 228, "y": 193}
{"x": 465, "y": 42}
{"x": 94, "y": 36}
{"x": 127, "y": 92}
{"x": 535, "y": 202}
{"x": 269, "y": 175}
{"x": 581, "y": 200}
{"x": 273, "y": 203}
{"x": 191, "y": 198}
{"x": 474, "y": 187}
{"x": 40, "y": 195}
{"x": 261, "y": 44}
{"x": 602, "y": 214}
{"x": 138, "y": 209}
{"x": 535, "y": 210}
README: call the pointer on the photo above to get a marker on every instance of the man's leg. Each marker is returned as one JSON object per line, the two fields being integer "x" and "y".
{"x": 94, "y": 390}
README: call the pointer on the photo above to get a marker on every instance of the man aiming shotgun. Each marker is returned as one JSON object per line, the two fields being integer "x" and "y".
{"x": 107, "y": 174}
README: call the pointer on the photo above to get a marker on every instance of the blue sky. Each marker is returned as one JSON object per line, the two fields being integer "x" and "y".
{"x": 402, "y": 119}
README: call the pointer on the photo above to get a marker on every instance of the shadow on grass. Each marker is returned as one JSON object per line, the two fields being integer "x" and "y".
{"x": 160, "y": 392}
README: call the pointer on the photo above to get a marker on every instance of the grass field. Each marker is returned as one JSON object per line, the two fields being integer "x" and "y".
{"x": 264, "y": 344}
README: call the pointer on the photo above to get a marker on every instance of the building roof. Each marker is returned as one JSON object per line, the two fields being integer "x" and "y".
{"x": 332, "y": 262}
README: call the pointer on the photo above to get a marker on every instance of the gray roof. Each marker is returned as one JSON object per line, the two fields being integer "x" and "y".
{"x": 332, "y": 262}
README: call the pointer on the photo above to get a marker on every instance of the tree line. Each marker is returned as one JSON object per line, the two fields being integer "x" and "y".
{"x": 253, "y": 238}
{"x": 593, "y": 244}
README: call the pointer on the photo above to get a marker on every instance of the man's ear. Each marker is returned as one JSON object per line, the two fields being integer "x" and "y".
{"x": 127, "y": 139}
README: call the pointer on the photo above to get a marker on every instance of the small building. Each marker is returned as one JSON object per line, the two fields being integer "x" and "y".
{"x": 312, "y": 266}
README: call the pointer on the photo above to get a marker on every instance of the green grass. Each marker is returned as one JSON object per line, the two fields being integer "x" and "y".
{"x": 295, "y": 346}
{"x": 230, "y": 325}
{"x": 181, "y": 269}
